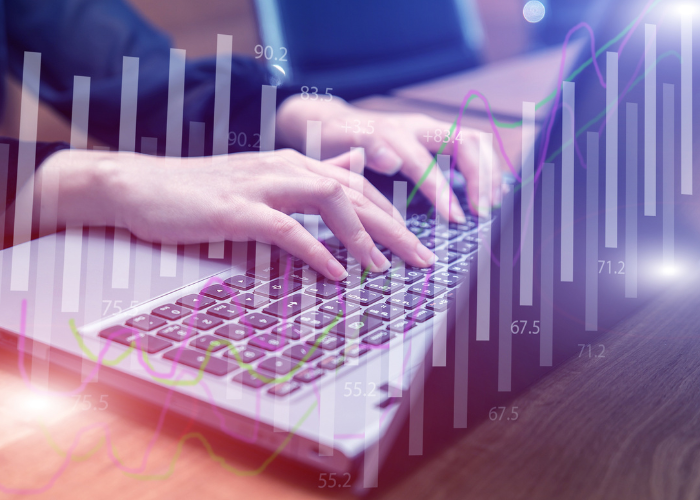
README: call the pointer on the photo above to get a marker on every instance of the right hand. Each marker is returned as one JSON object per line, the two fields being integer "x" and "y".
{"x": 239, "y": 197}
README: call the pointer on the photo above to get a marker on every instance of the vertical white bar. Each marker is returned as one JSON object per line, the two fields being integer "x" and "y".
{"x": 396, "y": 349}
{"x": 73, "y": 247}
{"x": 190, "y": 265}
{"x": 650, "y": 120}
{"x": 440, "y": 327}
{"x": 121, "y": 259}
{"x": 313, "y": 139}
{"x": 461, "y": 390}
{"x": 326, "y": 431}
{"x": 222, "y": 111}
{"x": 547, "y": 267}
{"x": 416, "y": 395}
{"x": 94, "y": 282}
{"x": 268, "y": 113}
{"x": 173, "y": 140}
{"x": 4, "y": 167}
{"x": 483, "y": 275}
{"x": 370, "y": 462}
{"x": 567, "y": 181}
{"x": 668, "y": 173}
{"x": 611, "y": 97}
{"x": 687, "y": 103}
{"x": 24, "y": 201}
{"x": 592, "y": 160}
{"x": 357, "y": 166}
{"x": 222, "y": 94}
{"x": 505, "y": 298}
{"x": 527, "y": 204}
{"x": 632, "y": 128}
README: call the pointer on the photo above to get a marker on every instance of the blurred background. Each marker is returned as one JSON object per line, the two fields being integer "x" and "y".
{"x": 193, "y": 26}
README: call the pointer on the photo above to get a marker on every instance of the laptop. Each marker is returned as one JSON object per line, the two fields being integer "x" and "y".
{"x": 362, "y": 379}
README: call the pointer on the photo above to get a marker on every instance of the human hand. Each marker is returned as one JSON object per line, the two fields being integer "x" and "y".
{"x": 395, "y": 142}
{"x": 245, "y": 196}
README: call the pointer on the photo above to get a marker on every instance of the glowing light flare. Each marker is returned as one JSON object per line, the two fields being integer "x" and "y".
{"x": 533, "y": 11}
{"x": 685, "y": 9}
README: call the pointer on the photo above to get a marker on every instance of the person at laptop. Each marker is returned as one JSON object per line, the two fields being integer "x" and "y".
{"x": 240, "y": 196}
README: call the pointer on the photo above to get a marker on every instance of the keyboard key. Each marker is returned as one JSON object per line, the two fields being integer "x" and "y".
{"x": 308, "y": 375}
{"x": 234, "y": 331}
{"x": 241, "y": 282}
{"x": 244, "y": 353}
{"x": 325, "y": 341}
{"x": 362, "y": 297}
{"x": 210, "y": 343}
{"x": 195, "y": 301}
{"x": 449, "y": 279}
{"x": 460, "y": 268}
{"x": 426, "y": 290}
{"x": 177, "y": 333}
{"x": 202, "y": 321}
{"x": 315, "y": 319}
{"x": 366, "y": 275}
{"x": 351, "y": 281}
{"x": 356, "y": 350}
{"x": 324, "y": 290}
{"x": 265, "y": 273}
{"x": 268, "y": 341}
{"x": 416, "y": 230}
{"x": 384, "y": 286}
{"x": 277, "y": 288}
{"x": 448, "y": 234}
{"x": 406, "y": 300}
{"x": 451, "y": 295}
{"x": 377, "y": 338}
{"x": 431, "y": 242}
{"x": 332, "y": 362}
{"x": 218, "y": 292}
{"x": 303, "y": 353}
{"x": 196, "y": 359}
{"x": 356, "y": 326}
{"x": 292, "y": 331}
{"x": 385, "y": 312}
{"x": 405, "y": 276}
{"x": 226, "y": 311}
{"x": 278, "y": 366}
{"x": 145, "y": 322}
{"x": 402, "y": 326}
{"x": 467, "y": 226}
{"x": 292, "y": 305}
{"x": 336, "y": 307}
{"x": 305, "y": 276}
{"x": 438, "y": 305}
{"x": 125, "y": 336}
{"x": 421, "y": 315}
{"x": 254, "y": 380}
{"x": 284, "y": 389}
{"x": 462, "y": 247}
{"x": 170, "y": 312}
{"x": 258, "y": 320}
{"x": 449, "y": 257}
{"x": 424, "y": 270}
{"x": 250, "y": 301}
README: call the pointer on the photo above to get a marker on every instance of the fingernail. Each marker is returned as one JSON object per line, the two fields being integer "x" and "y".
{"x": 381, "y": 263}
{"x": 425, "y": 254}
{"x": 337, "y": 271}
{"x": 457, "y": 213}
{"x": 387, "y": 161}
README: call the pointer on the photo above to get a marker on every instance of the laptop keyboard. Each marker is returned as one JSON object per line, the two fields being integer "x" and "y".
{"x": 287, "y": 322}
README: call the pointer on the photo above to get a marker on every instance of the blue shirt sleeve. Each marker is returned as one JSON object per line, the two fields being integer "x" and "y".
{"x": 91, "y": 37}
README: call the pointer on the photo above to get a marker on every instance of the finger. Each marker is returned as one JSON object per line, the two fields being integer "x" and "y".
{"x": 390, "y": 232}
{"x": 421, "y": 168}
{"x": 340, "y": 172}
{"x": 327, "y": 197}
{"x": 276, "y": 228}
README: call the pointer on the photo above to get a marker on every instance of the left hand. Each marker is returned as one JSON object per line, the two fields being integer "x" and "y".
{"x": 394, "y": 142}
